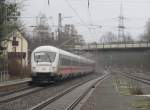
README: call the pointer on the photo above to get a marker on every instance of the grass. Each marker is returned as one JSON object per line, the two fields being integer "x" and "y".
{"x": 126, "y": 87}
{"x": 143, "y": 104}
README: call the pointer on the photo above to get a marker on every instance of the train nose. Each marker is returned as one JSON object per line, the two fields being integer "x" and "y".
{"x": 42, "y": 69}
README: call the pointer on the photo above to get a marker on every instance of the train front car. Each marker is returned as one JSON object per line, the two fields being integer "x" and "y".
{"x": 49, "y": 63}
{"x": 44, "y": 61}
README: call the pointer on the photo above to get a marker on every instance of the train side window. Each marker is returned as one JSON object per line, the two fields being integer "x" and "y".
{"x": 65, "y": 62}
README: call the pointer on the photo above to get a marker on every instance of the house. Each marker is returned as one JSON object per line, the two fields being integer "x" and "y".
{"x": 16, "y": 47}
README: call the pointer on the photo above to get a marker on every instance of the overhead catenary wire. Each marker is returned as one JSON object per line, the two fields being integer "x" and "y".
{"x": 82, "y": 21}
{"x": 75, "y": 12}
{"x": 115, "y": 1}
{"x": 89, "y": 5}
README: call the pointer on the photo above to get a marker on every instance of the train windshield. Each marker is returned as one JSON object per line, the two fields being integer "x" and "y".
{"x": 44, "y": 56}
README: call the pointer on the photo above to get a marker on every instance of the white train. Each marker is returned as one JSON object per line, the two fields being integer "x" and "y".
{"x": 49, "y": 63}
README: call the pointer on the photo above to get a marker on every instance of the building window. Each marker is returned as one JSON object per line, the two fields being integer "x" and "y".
{"x": 13, "y": 49}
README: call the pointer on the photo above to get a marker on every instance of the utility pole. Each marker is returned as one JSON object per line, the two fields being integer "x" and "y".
{"x": 59, "y": 25}
{"x": 121, "y": 27}
{"x": 88, "y": 4}
{"x": 5, "y": 65}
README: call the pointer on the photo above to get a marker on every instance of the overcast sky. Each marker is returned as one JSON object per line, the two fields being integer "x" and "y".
{"x": 100, "y": 13}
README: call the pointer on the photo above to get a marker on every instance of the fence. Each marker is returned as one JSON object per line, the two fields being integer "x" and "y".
{"x": 114, "y": 46}
{"x": 4, "y": 76}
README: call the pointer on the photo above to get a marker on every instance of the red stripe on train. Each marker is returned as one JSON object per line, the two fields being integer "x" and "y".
{"x": 67, "y": 70}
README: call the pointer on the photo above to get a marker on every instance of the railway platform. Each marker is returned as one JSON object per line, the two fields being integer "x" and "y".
{"x": 106, "y": 96}
{"x": 14, "y": 82}
{"x": 14, "y": 85}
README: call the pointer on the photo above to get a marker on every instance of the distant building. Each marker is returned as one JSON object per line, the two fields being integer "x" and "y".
{"x": 17, "y": 47}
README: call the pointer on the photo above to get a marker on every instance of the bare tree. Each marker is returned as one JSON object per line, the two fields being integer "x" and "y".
{"x": 128, "y": 38}
{"x": 108, "y": 38}
{"x": 42, "y": 34}
{"x": 70, "y": 36}
{"x": 146, "y": 35}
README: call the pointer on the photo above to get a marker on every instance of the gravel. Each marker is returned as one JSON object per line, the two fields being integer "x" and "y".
{"x": 26, "y": 102}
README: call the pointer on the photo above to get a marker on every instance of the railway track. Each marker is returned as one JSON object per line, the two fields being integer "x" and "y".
{"x": 14, "y": 86}
{"x": 75, "y": 94}
{"x": 141, "y": 79}
{"x": 20, "y": 93}
{"x": 135, "y": 77}
{"x": 14, "y": 91}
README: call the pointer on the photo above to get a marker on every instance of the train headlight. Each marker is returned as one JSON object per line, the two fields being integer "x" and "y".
{"x": 34, "y": 74}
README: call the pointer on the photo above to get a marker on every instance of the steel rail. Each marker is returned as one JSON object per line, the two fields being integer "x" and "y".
{"x": 20, "y": 94}
{"x": 141, "y": 79}
{"x": 14, "y": 91}
{"x": 76, "y": 102}
{"x": 63, "y": 93}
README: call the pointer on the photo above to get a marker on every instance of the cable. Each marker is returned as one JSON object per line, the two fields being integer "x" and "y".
{"x": 117, "y": 2}
{"x": 28, "y": 17}
{"x": 75, "y": 12}
{"x": 83, "y": 22}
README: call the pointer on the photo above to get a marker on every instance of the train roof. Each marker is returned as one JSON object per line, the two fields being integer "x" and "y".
{"x": 57, "y": 50}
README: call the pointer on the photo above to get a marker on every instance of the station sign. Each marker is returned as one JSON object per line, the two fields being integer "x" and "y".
{"x": 15, "y": 43}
